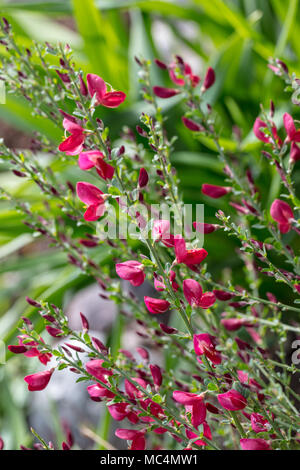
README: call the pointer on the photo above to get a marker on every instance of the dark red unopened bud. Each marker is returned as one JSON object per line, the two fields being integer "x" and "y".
{"x": 17, "y": 349}
{"x": 121, "y": 150}
{"x": 209, "y": 79}
{"x": 27, "y": 322}
{"x": 19, "y": 174}
{"x": 49, "y": 318}
{"x": 164, "y": 93}
{"x": 84, "y": 321}
{"x": 33, "y": 302}
{"x": 99, "y": 345}
{"x": 65, "y": 446}
{"x": 201, "y": 227}
{"x": 160, "y": 64}
{"x": 295, "y": 153}
{"x": 54, "y": 332}
{"x": 143, "y": 353}
{"x": 75, "y": 348}
{"x": 88, "y": 243}
{"x": 192, "y": 125}
{"x": 282, "y": 65}
{"x": 214, "y": 191}
{"x": 68, "y": 116}
{"x": 156, "y": 374}
{"x": 83, "y": 87}
{"x": 1, "y": 444}
{"x": 222, "y": 295}
{"x": 6, "y": 25}
{"x": 141, "y": 131}
{"x": 127, "y": 354}
{"x": 143, "y": 178}
{"x": 168, "y": 329}
{"x": 63, "y": 76}
{"x": 272, "y": 109}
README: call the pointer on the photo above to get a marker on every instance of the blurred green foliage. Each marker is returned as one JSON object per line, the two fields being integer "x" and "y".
{"x": 236, "y": 37}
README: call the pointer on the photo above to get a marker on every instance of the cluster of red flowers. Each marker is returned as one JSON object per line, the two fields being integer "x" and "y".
{"x": 206, "y": 346}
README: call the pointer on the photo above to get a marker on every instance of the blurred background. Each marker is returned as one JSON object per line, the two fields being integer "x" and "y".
{"x": 237, "y": 38}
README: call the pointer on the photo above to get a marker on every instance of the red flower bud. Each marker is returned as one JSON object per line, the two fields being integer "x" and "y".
{"x": 55, "y": 332}
{"x": 167, "y": 329}
{"x": 83, "y": 87}
{"x": 222, "y": 295}
{"x": 206, "y": 344}
{"x": 192, "y": 125}
{"x": 209, "y": 79}
{"x": 162, "y": 92}
{"x": 84, "y": 321}
{"x": 156, "y": 374}
{"x": 17, "y": 349}
{"x": 143, "y": 353}
{"x": 160, "y": 64}
{"x": 131, "y": 271}
{"x": 214, "y": 191}
{"x": 201, "y": 227}
{"x": 143, "y": 178}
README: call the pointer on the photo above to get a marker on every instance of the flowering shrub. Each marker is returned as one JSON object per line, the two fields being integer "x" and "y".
{"x": 232, "y": 380}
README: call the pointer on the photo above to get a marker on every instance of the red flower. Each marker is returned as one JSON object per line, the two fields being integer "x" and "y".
{"x": 32, "y": 350}
{"x": 293, "y": 135}
{"x": 131, "y": 271}
{"x": 137, "y": 438}
{"x": 232, "y": 400}
{"x": 156, "y": 305}
{"x": 187, "y": 398}
{"x": 194, "y": 404}
{"x": 161, "y": 232}
{"x": 206, "y": 344}
{"x": 94, "y": 158}
{"x": 259, "y": 423}
{"x": 74, "y": 143}
{"x": 187, "y": 71}
{"x": 254, "y": 444}
{"x": 214, "y": 191}
{"x": 258, "y": 125}
{"x": 120, "y": 411}
{"x": 93, "y": 197}
{"x": 295, "y": 153}
{"x": 96, "y": 392}
{"x": 164, "y": 93}
{"x": 193, "y": 293}
{"x": 97, "y": 87}
{"x": 188, "y": 257}
{"x": 38, "y": 381}
{"x": 132, "y": 391}
{"x": 282, "y": 213}
{"x": 206, "y": 433}
{"x": 94, "y": 368}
